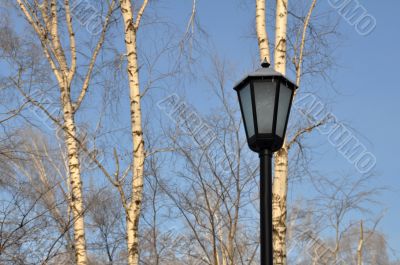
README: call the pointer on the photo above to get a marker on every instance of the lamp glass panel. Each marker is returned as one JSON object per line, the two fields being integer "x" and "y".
{"x": 245, "y": 100}
{"x": 264, "y": 93}
{"x": 285, "y": 95}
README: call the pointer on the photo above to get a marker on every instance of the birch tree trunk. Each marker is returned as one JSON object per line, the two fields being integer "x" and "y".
{"x": 134, "y": 207}
{"x": 75, "y": 181}
{"x": 280, "y": 184}
{"x": 281, "y": 36}
{"x": 262, "y": 35}
{"x": 279, "y": 205}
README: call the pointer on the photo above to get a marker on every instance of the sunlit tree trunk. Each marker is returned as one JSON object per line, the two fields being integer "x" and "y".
{"x": 131, "y": 26}
{"x": 360, "y": 245}
{"x": 280, "y": 184}
{"x": 279, "y": 205}
{"x": 262, "y": 35}
{"x": 281, "y": 36}
{"x": 75, "y": 182}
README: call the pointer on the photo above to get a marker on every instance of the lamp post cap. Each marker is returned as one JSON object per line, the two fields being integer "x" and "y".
{"x": 265, "y": 63}
{"x": 264, "y": 73}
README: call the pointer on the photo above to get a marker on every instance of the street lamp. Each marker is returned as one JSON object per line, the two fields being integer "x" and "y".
{"x": 265, "y": 98}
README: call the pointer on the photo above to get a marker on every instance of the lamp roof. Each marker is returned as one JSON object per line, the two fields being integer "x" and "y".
{"x": 261, "y": 73}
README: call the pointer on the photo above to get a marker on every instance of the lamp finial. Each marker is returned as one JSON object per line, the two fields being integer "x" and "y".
{"x": 265, "y": 63}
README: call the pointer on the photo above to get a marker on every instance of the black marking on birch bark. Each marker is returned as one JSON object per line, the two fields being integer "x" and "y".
{"x": 137, "y": 132}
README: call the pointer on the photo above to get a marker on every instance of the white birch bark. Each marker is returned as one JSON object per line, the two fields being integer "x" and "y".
{"x": 262, "y": 35}
{"x": 134, "y": 207}
{"x": 280, "y": 184}
{"x": 279, "y": 205}
{"x": 281, "y": 36}
{"x": 75, "y": 180}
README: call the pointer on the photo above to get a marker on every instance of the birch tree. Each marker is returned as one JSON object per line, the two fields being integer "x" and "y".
{"x": 133, "y": 207}
{"x": 45, "y": 19}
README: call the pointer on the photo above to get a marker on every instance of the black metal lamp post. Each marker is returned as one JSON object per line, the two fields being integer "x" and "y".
{"x": 265, "y": 99}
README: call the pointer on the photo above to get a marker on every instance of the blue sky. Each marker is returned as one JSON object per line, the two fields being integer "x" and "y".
{"x": 367, "y": 80}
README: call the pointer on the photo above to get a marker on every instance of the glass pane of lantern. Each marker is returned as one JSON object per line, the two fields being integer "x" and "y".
{"x": 285, "y": 96}
{"x": 245, "y": 100}
{"x": 264, "y": 93}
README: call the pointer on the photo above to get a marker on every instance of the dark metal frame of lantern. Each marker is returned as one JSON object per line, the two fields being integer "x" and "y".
{"x": 265, "y": 99}
{"x": 265, "y": 80}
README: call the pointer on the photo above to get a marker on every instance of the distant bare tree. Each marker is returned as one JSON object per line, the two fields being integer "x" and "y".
{"x": 106, "y": 225}
{"x": 35, "y": 221}
{"x": 160, "y": 242}
{"x": 331, "y": 212}
{"x": 213, "y": 190}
